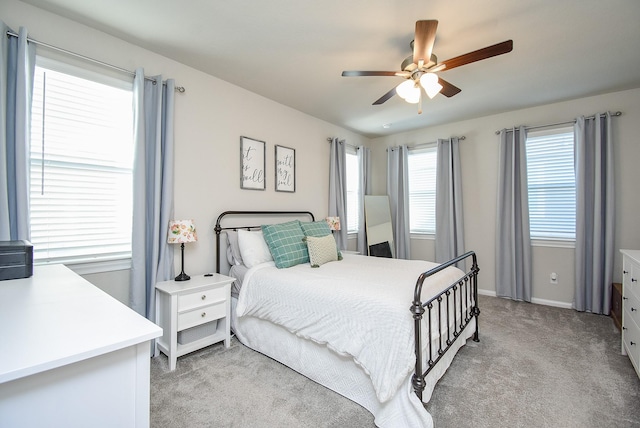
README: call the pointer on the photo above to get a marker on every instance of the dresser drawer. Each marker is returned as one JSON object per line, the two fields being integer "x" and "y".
{"x": 631, "y": 339}
{"x": 631, "y": 277}
{"x": 200, "y": 299}
{"x": 202, "y": 315}
{"x": 631, "y": 306}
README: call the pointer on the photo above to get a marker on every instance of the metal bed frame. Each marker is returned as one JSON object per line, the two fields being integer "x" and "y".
{"x": 463, "y": 290}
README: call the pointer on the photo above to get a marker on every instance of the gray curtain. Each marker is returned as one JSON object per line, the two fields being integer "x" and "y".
{"x": 152, "y": 257}
{"x": 16, "y": 89}
{"x": 398, "y": 191}
{"x": 338, "y": 189}
{"x": 449, "y": 221}
{"x": 594, "y": 213}
{"x": 513, "y": 240}
{"x": 364, "y": 164}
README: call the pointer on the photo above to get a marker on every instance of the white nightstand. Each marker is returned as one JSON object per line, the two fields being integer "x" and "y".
{"x": 193, "y": 314}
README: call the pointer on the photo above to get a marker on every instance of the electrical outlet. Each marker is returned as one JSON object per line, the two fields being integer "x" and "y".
{"x": 553, "y": 278}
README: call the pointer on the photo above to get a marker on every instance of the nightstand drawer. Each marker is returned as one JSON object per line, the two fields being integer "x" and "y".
{"x": 201, "y": 315}
{"x": 201, "y": 299}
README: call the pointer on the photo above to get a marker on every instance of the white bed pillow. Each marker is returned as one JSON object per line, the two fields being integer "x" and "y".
{"x": 233, "y": 249}
{"x": 253, "y": 248}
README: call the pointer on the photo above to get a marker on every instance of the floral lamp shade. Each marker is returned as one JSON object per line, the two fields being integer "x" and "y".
{"x": 181, "y": 232}
{"x": 334, "y": 223}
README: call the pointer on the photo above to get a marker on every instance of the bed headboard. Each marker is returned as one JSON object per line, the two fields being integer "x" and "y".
{"x": 251, "y": 220}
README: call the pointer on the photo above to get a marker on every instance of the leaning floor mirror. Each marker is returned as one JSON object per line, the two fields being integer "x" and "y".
{"x": 378, "y": 225}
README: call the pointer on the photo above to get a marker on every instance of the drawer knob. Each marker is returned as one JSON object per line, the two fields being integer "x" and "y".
{"x": 633, "y": 309}
{"x": 632, "y": 343}
{"x": 204, "y": 296}
{"x": 624, "y": 272}
{"x": 634, "y": 280}
{"x": 624, "y": 328}
{"x": 625, "y": 298}
{"x": 204, "y": 314}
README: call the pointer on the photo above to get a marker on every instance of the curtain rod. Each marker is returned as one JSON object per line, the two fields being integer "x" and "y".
{"x": 431, "y": 143}
{"x": 618, "y": 113}
{"x": 417, "y": 146}
{"x": 180, "y": 89}
{"x": 329, "y": 139}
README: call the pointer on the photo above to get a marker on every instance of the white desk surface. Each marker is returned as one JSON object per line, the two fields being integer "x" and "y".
{"x": 56, "y": 318}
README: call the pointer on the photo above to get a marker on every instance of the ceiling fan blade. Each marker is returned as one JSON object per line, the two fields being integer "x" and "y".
{"x": 480, "y": 54}
{"x": 448, "y": 90}
{"x": 370, "y": 73}
{"x": 423, "y": 41}
{"x": 385, "y": 97}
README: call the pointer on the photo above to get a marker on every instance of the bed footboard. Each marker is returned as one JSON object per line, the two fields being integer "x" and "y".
{"x": 462, "y": 296}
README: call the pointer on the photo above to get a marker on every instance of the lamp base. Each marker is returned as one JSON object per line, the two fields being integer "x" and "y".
{"x": 182, "y": 277}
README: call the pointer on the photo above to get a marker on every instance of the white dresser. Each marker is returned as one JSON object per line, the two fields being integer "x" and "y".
{"x": 71, "y": 355}
{"x": 631, "y": 306}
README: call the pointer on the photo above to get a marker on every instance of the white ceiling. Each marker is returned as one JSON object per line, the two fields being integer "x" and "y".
{"x": 293, "y": 51}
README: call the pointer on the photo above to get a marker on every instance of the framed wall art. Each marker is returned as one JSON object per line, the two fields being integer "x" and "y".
{"x": 252, "y": 164}
{"x": 285, "y": 169}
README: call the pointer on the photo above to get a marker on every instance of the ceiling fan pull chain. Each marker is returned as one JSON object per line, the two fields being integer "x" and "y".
{"x": 420, "y": 103}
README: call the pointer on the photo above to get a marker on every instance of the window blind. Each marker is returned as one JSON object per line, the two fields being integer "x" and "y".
{"x": 353, "y": 188}
{"x": 81, "y": 168}
{"x": 551, "y": 184}
{"x": 422, "y": 190}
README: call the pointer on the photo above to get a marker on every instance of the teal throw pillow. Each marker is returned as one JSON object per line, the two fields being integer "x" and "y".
{"x": 285, "y": 242}
{"x": 317, "y": 229}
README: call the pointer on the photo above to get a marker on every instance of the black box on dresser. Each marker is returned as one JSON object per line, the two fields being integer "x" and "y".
{"x": 16, "y": 259}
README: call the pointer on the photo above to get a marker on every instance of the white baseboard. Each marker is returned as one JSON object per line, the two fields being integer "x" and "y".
{"x": 554, "y": 303}
{"x": 535, "y": 300}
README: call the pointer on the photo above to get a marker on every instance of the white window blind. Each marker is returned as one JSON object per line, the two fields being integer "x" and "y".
{"x": 551, "y": 184}
{"x": 422, "y": 190}
{"x": 353, "y": 189}
{"x": 81, "y": 167}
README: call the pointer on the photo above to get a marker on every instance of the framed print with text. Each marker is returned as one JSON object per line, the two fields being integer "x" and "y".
{"x": 285, "y": 169}
{"x": 252, "y": 164}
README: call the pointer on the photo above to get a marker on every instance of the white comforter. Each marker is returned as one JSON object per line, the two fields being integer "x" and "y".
{"x": 358, "y": 307}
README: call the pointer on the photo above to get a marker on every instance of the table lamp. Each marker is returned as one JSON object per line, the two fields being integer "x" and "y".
{"x": 181, "y": 232}
{"x": 334, "y": 223}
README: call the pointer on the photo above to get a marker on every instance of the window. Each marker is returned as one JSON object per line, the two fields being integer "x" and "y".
{"x": 422, "y": 190}
{"x": 551, "y": 184}
{"x": 353, "y": 190}
{"x": 81, "y": 165}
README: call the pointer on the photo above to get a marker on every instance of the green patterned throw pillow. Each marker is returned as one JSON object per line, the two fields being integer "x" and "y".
{"x": 285, "y": 243}
{"x": 315, "y": 228}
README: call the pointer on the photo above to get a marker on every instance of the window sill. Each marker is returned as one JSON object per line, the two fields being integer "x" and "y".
{"x": 425, "y": 236}
{"x": 84, "y": 267}
{"x": 553, "y": 243}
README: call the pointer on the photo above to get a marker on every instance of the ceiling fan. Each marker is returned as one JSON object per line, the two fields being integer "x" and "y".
{"x": 419, "y": 69}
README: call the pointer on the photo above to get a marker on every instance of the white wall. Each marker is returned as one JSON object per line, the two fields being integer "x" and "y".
{"x": 479, "y": 159}
{"x": 210, "y": 117}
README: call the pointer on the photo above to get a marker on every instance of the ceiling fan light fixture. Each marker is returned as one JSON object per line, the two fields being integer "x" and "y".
{"x": 434, "y": 90}
{"x": 429, "y": 81}
{"x": 414, "y": 98}
{"x": 408, "y": 89}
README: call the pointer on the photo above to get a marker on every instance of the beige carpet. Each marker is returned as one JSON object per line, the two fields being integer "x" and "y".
{"x": 535, "y": 366}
